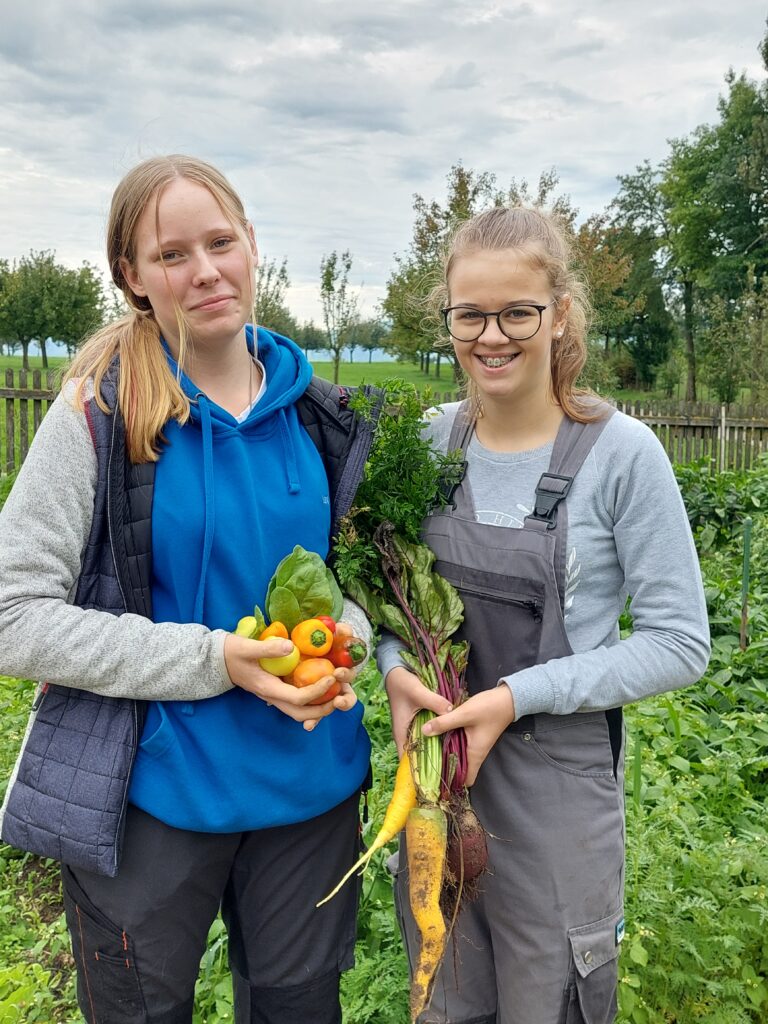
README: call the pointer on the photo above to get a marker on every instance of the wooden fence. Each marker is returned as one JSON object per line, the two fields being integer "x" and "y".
{"x": 26, "y": 396}
{"x": 731, "y": 437}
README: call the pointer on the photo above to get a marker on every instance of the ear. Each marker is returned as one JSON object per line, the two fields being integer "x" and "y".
{"x": 132, "y": 278}
{"x": 561, "y": 315}
{"x": 252, "y": 240}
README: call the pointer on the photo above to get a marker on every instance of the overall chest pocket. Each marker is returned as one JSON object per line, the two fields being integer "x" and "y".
{"x": 502, "y": 621}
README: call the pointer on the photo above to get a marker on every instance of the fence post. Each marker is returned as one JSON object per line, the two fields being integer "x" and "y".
{"x": 721, "y": 433}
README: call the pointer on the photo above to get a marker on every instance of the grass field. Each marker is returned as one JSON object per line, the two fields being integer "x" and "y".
{"x": 349, "y": 373}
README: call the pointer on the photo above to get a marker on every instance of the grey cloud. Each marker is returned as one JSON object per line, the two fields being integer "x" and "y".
{"x": 466, "y": 76}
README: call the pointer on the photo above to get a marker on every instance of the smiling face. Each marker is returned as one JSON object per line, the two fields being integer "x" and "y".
{"x": 188, "y": 256}
{"x": 504, "y": 370}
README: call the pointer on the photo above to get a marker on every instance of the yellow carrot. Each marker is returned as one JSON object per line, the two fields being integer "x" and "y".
{"x": 426, "y": 839}
{"x": 403, "y": 800}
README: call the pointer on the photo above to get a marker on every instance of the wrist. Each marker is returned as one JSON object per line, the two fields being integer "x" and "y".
{"x": 507, "y": 702}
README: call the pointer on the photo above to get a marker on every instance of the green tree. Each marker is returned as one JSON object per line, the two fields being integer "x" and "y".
{"x": 311, "y": 337}
{"x": 41, "y": 300}
{"x": 270, "y": 309}
{"x": 369, "y": 335}
{"x": 339, "y": 304}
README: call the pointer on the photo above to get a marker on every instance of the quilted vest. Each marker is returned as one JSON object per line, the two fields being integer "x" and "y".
{"x": 68, "y": 794}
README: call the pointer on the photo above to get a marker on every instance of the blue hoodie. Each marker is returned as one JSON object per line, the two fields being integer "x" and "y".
{"x": 230, "y": 500}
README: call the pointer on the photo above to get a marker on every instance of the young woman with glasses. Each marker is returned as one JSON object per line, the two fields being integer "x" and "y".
{"x": 567, "y": 509}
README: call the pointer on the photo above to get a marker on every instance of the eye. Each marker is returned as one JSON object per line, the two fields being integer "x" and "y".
{"x": 169, "y": 256}
{"x": 519, "y": 312}
{"x": 466, "y": 314}
{"x": 221, "y": 243}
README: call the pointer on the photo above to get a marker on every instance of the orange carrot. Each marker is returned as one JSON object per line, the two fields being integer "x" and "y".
{"x": 403, "y": 800}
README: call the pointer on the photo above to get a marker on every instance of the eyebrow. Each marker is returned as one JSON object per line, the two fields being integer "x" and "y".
{"x": 169, "y": 243}
{"x": 512, "y": 302}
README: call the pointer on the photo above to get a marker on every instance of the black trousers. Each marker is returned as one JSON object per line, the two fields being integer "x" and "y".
{"x": 138, "y": 938}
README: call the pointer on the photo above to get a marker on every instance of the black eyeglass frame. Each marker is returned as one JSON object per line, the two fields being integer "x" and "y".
{"x": 513, "y": 305}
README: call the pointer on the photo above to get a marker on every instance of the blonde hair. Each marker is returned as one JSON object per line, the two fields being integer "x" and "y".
{"x": 149, "y": 395}
{"x": 547, "y": 246}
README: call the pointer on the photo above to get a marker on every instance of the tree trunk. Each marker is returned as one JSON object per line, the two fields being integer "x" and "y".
{"x": 429, "y": 354}
{"x": 370, "y": 355}
{"x": 336, "y": 361}
{"x": 25, "y": 355}
{"x": 43, "y": 353}
{"x": 690, "y": 352}
{"x": 437, "y": 364}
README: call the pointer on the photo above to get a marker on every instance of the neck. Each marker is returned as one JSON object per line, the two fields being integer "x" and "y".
{"x": 226, "y": 373}
{"x": 513, "y": 427}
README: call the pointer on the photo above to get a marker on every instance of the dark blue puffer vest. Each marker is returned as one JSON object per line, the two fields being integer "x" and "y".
{"x": 68, "y": 797}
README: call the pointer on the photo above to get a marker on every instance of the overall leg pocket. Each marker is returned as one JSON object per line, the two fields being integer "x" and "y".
{"x": 108, "y": 986}
{"x": 595, "y": 951}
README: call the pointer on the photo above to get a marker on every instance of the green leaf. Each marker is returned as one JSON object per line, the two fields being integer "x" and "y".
{"x": 283, "y": 607}
{"x": 368, "y": 601}
{"x": 679, "y": 763}
{"x": 395, "y": 621}
{"x": 303, "y": 573}
{"x": 337, "y": 598}
{"x": 638, "y": 954}
{"x": 260, "y": 623}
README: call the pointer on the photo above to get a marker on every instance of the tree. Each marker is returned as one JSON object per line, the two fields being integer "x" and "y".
{"x": 40, "y": 299}
{"x": 270, "y": 309}
{"x": 655, "y": 201}
{"x": 311, "y": 337}
{"x": 369, "y": 335}
{"x": 339, "y": 304}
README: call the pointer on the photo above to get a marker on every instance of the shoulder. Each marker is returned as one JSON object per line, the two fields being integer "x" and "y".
{"x": 626, "y": 438}
{"x": 438, "y": 423}
{"x": 632, "y": 465}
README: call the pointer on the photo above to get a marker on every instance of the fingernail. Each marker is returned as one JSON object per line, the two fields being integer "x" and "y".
{"x": 426, "y": 730}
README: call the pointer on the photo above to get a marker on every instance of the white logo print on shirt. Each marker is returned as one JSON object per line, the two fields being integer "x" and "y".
{"x": 572, "y": 570}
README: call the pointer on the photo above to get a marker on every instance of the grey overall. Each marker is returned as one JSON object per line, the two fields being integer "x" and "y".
{"x": 540, "y": 943}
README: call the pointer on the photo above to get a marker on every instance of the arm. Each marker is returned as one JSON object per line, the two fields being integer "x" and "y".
{"x": 669, "y": 645}
{"x": 44, "y": 527}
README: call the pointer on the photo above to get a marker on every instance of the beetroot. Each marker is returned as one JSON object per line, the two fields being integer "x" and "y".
{"x": 467, "y": 853}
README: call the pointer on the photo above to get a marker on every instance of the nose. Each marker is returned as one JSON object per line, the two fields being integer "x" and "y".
{"x": 492, "y": 332}
{"x": 205, "y": 270}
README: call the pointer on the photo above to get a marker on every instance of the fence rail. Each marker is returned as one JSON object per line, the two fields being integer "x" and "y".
{"x": 731, "y": 437}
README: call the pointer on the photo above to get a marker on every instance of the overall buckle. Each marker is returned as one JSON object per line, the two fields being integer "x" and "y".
{"x": 550, "y": 491}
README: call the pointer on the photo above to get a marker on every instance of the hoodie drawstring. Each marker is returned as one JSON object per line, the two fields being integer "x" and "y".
{"x": 210, "y": 503}
{"x": 289, "y": 448}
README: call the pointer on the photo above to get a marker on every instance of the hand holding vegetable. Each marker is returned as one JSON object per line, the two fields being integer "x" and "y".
{"x": 407, "y": 695}
{"x": 483, "y": 717}
{"x": 242, "y": 657}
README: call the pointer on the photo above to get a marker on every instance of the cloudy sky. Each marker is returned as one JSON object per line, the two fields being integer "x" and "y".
{"x": 328, "y": 115}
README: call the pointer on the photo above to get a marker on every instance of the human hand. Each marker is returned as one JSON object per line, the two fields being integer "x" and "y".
{"x": 484, "y": 717}
{"x": 407, "y": 695}
{"x": 242, "y": 656}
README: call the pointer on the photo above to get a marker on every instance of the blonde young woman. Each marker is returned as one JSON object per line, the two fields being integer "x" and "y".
{"x": 187, "y": 454}
{"x": 566, "y": 509}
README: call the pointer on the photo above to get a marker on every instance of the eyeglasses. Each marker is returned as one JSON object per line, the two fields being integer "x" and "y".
{"x": 517, "y": 322}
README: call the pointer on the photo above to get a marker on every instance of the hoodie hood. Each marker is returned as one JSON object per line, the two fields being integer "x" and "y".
{"x": 287, "y": 373}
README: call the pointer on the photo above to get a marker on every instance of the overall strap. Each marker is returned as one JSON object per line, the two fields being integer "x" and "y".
{"x": 459, "y": 495}
{"x": 573, "y": 443}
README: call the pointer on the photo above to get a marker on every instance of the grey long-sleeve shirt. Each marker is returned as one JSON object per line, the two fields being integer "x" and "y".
{"x": 44, "y": 527}
{"x": 628, "y": 535}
